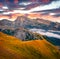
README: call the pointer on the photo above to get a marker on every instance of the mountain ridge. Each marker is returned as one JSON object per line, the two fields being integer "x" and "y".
{"x": 25, "y": 22}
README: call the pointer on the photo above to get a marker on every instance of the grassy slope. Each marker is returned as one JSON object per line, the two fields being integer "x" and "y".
{"x": 13, "y": 48}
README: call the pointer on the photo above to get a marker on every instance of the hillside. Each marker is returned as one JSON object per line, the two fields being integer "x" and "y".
{"x": 13, "y": 48}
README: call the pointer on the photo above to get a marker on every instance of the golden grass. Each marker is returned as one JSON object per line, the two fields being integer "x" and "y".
{"x": 13, "y": 48}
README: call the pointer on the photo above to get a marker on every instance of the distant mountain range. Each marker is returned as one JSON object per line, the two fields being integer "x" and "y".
{"x": 27, "y": 23}
{"x": 13, "y": 48}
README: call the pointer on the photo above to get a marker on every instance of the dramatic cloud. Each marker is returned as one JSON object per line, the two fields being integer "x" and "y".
{"x": 52, "y": 5}
{"x": 46, "y": 9}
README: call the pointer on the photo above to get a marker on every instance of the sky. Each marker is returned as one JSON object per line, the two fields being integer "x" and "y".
{"x": 43, "y": 9}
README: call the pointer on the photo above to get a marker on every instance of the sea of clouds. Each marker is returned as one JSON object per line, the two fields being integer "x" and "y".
{"x": 50, "y": 33}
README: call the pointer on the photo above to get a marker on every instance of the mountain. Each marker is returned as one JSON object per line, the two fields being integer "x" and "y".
{"x": 6, "y": 24}
{"x": 13, "y": 48}
{"x": 22, "y": 34}
{"x": 25, "y": 22}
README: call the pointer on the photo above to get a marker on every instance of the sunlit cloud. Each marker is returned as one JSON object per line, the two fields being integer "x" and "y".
{"x": 52, "y": 5}
{"x": 5, "y": 13}
{"x": 21, "y": 11}
{"x": 54, "y": 14}
{"x": 25, "y": 3}
{"x": 5, "y": 7}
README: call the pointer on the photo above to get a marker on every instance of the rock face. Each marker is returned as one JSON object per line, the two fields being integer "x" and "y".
{"x": 13, "y": 48}
{"x": 22, "y": 34}
{"x": 27, "y": 23}
{"x": 26, "y": 35}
